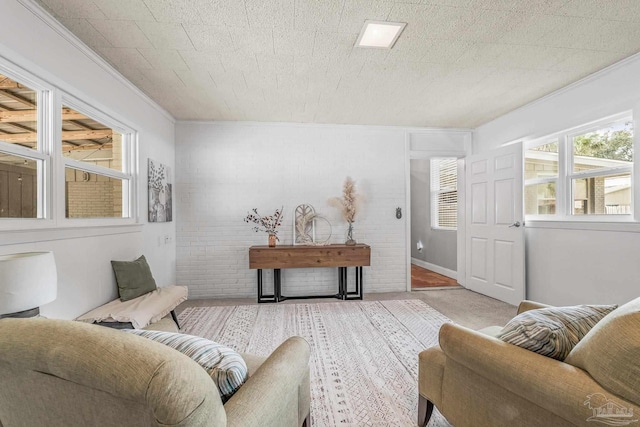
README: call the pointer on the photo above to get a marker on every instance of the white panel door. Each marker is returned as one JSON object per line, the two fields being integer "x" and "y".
{"x": 495, "y": 224}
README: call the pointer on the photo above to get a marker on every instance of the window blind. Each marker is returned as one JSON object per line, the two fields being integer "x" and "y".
{"x": 444, "y": 193}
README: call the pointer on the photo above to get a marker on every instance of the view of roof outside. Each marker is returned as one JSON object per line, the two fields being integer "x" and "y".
{"x": 18, "y": 126}
{"x": 83, "y": 139}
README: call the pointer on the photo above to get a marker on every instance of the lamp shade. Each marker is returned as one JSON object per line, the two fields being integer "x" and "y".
{"x": 27, "y": 280}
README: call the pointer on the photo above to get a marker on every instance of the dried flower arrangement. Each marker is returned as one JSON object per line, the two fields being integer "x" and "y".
{"x": 268, "y": 224}
{"x": 348, "y": 204}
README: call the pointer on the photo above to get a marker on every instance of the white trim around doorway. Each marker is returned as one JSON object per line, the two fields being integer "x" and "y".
{"x": 426, "y": 154}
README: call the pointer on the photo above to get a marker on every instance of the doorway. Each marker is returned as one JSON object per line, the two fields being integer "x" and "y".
{"x": 434, "y": 220}
{"x": 422, "y": 145}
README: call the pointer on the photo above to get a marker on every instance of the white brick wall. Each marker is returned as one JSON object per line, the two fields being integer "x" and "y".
{"x": 225, "y": 169}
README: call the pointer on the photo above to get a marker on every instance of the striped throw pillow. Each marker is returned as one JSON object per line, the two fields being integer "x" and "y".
{"x": 224, "y": 365}
{"x": 553, "y": 332}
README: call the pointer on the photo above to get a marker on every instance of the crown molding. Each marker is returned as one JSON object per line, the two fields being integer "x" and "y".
{"x": 67, "y": 35}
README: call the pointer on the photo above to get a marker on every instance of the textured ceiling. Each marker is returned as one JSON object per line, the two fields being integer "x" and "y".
{"x": 459, "y": 63}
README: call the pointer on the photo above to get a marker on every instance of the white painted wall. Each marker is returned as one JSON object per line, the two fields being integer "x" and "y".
{"x": 566, "y": 267}
{"x": 578, "y": 265}
{"x": 84, "y": 271}
{"x": 226, "y": 169}
{"x": 610, "y": 91}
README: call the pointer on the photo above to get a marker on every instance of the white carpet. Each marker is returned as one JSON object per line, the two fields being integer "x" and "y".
{"x": 364, "y": 354}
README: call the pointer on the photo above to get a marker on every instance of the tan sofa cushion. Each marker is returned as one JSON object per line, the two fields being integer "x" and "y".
{"x": 609, "y": 352}
{"x": 86, "y": 375}
{"x": 165, "y": 324}
{"x": 492, "y": 331}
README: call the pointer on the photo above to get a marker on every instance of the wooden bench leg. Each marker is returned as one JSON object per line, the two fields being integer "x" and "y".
{"x": 175, "y": 318}
{"x": 425, "y": 409}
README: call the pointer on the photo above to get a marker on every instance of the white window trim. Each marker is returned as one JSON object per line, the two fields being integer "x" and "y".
{"x": 42, "y": 152}
{"x": 129, "y": 160}
{"x": 51, "y": 182}
{"x": 565, "y": 176}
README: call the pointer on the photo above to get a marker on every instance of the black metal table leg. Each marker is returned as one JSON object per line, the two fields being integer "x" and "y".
{"x": 358, "y": 279}
{"x": 277, "y": 283}
{"x": 346, "y": 282}
{"x": 359, "y": 292}
{"x": 343, "y": 287}
{"x": 342, "y": 282}
{"x": 266, "y": 298}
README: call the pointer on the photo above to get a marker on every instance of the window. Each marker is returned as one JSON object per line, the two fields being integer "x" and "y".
{"x": 62, "y": 162}
{"x": 601, "y": 165}
{"x": 23, "y": 155}
{"x": 97, "y": 185}
{"x": 584, "y": 173}
{"x": 541, "y": 177}
{"x": 444, "y": 193}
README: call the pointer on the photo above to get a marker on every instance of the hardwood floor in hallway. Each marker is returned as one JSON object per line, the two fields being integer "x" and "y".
{"x": 423, "y": 278}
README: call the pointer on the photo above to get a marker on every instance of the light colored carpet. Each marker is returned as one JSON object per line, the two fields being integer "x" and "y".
{"x": 364, "y": 354}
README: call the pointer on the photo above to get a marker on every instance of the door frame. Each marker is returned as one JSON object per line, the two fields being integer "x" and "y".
{"x": 460, "y": 232}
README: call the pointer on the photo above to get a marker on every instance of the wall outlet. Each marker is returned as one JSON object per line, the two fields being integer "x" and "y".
{"x": 167, "y": 239}
{"x": 419, "y": 246}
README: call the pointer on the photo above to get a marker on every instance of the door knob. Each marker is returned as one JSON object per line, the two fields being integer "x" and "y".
{"x": 515, "y": 224}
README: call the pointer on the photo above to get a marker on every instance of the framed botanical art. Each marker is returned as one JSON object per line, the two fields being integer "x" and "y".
{"x": 160, "y": 192}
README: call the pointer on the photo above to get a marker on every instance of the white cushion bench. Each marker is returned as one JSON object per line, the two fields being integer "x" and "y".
{"x": 153, "y": 310}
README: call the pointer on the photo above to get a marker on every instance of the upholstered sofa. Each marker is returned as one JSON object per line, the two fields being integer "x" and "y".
{"x": 476, "y": 380}
{"x": 65, "y": 373}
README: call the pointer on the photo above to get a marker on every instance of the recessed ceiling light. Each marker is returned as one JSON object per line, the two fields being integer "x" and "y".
{"x": 379, "y": 34}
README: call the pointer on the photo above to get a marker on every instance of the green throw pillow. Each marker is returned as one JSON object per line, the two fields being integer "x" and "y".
{"x": 554, "y": 331}
{"x": 225, "y": 366}
{"x": 133, "y": 277}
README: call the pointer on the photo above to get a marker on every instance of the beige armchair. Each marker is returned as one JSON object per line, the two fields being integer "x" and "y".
{"x": 476, "y": 380}
{"x": 64, "y": 373}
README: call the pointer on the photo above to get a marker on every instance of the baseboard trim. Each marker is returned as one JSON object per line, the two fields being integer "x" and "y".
{"x": 436, "y": 268}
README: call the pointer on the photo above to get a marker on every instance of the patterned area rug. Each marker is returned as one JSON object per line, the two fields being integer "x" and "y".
{"x": 364, "y": 354}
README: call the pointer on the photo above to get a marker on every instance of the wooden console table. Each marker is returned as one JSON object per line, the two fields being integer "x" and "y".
{"x": 287, "y": 256}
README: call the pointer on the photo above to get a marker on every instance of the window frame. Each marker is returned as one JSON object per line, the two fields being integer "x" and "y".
{"x": 127, "y": 175}
{"x": 43, "y": 153}
{"x": 434, "y": 193}
{"x": 51, "y": 176}
{"x": 546, "y": 180}
{"x": 566, "y": 174}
